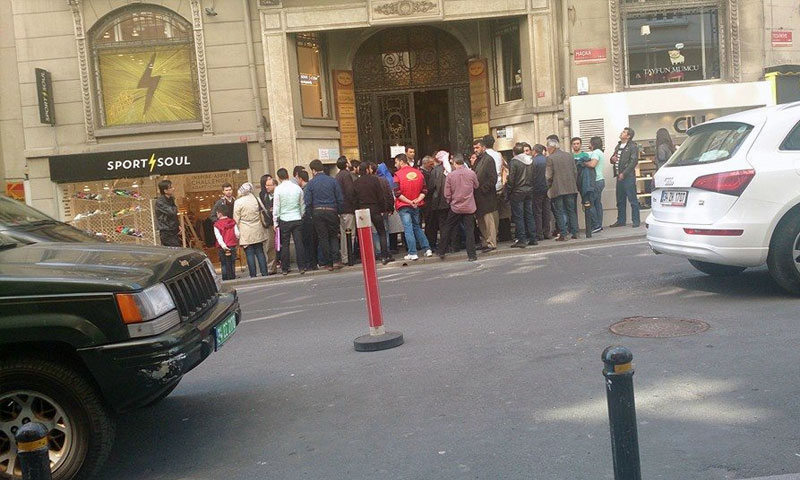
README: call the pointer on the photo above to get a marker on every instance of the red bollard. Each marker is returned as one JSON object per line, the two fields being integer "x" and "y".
{"x": 378, "y": 338}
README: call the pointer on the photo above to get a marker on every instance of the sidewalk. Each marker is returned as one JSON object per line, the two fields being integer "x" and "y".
{"x": 607, "y": 236}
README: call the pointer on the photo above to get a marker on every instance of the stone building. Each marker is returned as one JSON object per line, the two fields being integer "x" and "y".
{"x": 102, "y": 98}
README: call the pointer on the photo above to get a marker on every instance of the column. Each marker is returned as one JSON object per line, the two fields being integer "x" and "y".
{"x": 282, "y": 119}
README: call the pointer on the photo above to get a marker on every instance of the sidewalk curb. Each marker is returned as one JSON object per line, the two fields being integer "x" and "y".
{"x": 503, "y": 250}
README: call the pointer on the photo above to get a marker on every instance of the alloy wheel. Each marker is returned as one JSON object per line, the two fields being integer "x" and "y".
{"x": 796, "y": 252}
{"x": 22, "y": 406}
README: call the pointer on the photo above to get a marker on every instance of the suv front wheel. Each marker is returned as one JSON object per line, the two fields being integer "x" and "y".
{"x": 59, "y": 397}
{"x": 784, "y": 254}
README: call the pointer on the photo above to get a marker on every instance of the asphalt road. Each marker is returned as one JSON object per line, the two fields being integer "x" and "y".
{"x": 499, "y": 378}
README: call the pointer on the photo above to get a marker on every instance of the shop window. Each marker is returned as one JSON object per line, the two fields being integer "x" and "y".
{"x": 507, "y": 62}
{"x": 144, "y": 66}
{"x": 310, "y": 74}
{"x": 671, "y": 46}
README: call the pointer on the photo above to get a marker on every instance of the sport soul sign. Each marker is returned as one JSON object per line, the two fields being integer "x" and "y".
{"x": 144, "y": 163}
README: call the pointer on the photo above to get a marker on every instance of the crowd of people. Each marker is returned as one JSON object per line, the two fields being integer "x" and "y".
{"x": 434, "y": 204}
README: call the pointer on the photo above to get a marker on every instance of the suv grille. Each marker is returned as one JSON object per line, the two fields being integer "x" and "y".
{"x": 194, "y": 292}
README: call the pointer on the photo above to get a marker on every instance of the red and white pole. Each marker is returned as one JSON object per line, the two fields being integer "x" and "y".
{"x": 378, "y": 338}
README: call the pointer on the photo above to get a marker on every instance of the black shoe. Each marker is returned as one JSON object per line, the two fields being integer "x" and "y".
{"x": 635, "y": 225}
{"x": 574, "y": 236}
{"x": 533, "y": 242}
{"x": 517, "y": 244}
{"x": 303, "y": 271}
{"x": 441, "y": 256}
{"x": 285, "y": 272}
{"x": 597, "y": 230}
{"x": 472, "y": 259}
{"x": 487, "y": 249}
{"x": 616, "y": 224}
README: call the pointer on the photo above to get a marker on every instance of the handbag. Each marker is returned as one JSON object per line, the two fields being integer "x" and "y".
{"x": 266, "y": 219}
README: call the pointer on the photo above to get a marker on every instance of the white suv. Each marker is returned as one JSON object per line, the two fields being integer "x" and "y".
{"x": 729, "y": 198}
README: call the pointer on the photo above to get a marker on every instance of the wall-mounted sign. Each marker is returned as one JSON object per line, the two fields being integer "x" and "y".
{"x": 143, "y": 163}
{"x": 327, "y": 154}
{"x": 781, "y": 38}
{"x": 345, "y": 96}
{"x": 585, "y": 56}
{"x": 44, "y": 92}
{"x": 505, "y": 132}
{"x": 15, "y": 190}
{"x": 479, "y": 96}
{"x": 207, "y": 182}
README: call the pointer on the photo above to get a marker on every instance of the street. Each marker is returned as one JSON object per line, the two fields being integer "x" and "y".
{"x": 499, "y": 377}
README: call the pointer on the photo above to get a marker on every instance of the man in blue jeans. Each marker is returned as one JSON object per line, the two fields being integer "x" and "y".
{"x": 625, "y": 159}
{"x": 410, "y": 191}
{"x": 561, "y": 174}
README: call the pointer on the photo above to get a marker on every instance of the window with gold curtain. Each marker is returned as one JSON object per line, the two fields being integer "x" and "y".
{"x": 144, "y": 67}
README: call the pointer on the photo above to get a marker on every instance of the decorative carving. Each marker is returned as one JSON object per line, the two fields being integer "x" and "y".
{"x": 616, "y": 44}
{"x": 366, "y": 135}
{"x": 409, "y": 58}
{"x": 733, "y": 12}
{"x": 202, "y": 72}
{"x": 83, "y": 67}
{"x": 405, "y": 7}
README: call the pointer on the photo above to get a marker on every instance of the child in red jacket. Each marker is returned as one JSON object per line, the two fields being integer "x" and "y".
{"x": 227, "y": 234}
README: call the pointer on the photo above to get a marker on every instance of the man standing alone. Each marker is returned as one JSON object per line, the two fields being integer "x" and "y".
{"x": 167, "y": 215}
{"x": 562, "y": 178}
{"x": 287, "y": 214}
{"x": 625, "y": 159}
{"x": 324, "y": 198}
{"x": 485, "y": 194}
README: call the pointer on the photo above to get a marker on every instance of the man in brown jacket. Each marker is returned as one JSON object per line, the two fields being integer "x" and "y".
{"x": 485, "y": 195}
{"x": 562, "y": 179}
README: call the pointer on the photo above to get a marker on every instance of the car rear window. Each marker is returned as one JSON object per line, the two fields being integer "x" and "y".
{"x": 712, "y": 142}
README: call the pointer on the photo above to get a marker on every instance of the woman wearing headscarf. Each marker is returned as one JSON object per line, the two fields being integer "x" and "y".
{"x": 247, "y": 211}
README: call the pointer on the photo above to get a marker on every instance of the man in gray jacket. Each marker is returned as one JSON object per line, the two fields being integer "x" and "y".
{"x": 625, "y": 159}
{"x": 519, "y": 186}
{"x": 562, "y": 179}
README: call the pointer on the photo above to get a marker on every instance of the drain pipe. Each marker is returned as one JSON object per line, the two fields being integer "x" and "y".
{"x": 566, "y": 68}
{"x": 251, "y": 63}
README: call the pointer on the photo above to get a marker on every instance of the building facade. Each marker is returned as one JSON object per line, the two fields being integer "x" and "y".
{"x": 101, "y": 99}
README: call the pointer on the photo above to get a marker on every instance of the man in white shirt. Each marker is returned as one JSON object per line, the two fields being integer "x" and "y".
{"x": 288, "y": 207}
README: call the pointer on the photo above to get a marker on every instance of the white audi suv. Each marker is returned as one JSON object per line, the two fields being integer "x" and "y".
{"x": 729, "y": 197}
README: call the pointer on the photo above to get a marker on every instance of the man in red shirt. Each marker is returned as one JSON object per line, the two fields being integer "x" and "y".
{"x": 409, "y": 192}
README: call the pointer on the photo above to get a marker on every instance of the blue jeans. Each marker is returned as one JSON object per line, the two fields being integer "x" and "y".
{"x": 626, "y": 190}
{"x": 524, "y": 221}
{"x": 410, "y": 218}
{"x": 255, "y": 252}
{"x": 228, "y": 263}
{"x": 566, "y": 213}
{"x": 597, "y": 206}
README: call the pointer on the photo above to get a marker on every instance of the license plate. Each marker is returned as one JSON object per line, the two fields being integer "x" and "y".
{"x": 224, "y": 330}
{"x": 673, "y": 198}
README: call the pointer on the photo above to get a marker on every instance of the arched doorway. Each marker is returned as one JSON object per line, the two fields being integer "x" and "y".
{"x": 412, "y": 86}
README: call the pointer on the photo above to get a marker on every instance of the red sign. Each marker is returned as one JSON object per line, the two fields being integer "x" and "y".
{"x": 589, "y": 55}
{"x": 781, "y": 38}
{"x": 15, "y": 190}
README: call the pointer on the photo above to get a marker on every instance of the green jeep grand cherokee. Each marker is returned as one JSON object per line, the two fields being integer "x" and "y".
{"x": 89, "y": 330}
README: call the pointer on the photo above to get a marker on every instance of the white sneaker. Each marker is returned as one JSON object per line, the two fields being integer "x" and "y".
{"x": 411, "y": 257}
{"x": 429, "y": 253}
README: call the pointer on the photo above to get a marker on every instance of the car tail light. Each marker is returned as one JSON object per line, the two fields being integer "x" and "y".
{"x": 729, "y": 183}
{"x": 713, "y": 232}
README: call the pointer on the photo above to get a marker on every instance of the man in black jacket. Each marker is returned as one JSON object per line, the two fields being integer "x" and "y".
{"x": 347, "y": 218}
{"x": 167, "y": 215}
{"x": 625, "y": 159}
{"x": 485, "y": 195}
{"x": 519, "y": 186}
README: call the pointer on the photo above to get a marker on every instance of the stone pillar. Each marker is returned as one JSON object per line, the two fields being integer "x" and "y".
{"x": 282, "y": 119}
{"x": 543, "y": 57}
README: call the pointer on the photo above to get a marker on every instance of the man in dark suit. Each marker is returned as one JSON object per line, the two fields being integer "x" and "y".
{"x": 485, "y": 195}
{"x": 625, "y": 158}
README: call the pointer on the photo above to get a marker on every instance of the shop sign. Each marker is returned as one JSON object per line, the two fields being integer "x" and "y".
{"x": 345, "y": 95}
{"x": 15, "y": 190}
{"x": 584, "y": 56}
{"x": 479, "y": 96}
{"x": 677, "y": 123}
{"x": 309, "y": 79}
{"x": 44, "y": 92}
{"x": 144, "y": 163}
{"x": 781, "y": 38}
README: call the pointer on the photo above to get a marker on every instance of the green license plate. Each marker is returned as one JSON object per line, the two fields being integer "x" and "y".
{"x": 224, "y": 330}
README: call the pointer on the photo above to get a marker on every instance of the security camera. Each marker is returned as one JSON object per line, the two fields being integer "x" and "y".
{"x": 211, "y": 12}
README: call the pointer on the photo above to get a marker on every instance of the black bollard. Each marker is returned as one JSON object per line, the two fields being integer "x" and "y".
{"x": 618, "y": 371}
{"x": 587, "y": 216}
{"x": 349, "y": 235}
{"x": 33, "y": 451}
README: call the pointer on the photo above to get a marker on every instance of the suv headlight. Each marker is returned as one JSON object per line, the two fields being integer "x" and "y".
{"x": 145, "y": 312}
{"x": 217, "y": 278}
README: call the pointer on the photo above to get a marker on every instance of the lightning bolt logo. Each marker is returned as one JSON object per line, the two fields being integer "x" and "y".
{"x": 150, "y": 82}
{"x": 152, "y": 162}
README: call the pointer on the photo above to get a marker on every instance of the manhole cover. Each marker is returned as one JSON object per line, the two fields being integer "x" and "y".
{"x": 658, "y": 327}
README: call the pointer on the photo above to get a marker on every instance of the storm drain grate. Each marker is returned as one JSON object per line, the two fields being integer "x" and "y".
{"x": 658, "y": 327}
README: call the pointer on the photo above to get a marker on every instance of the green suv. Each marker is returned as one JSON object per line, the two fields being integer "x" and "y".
{"x": 89, "y": 330}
